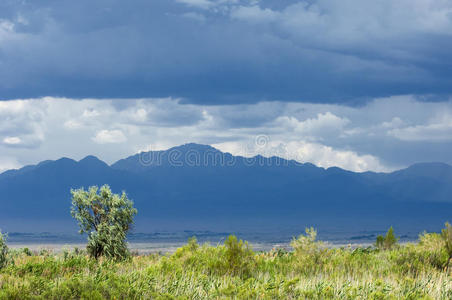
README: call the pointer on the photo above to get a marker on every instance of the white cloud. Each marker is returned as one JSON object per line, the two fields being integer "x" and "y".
{"x": 195, "y": 16}
{"x": 325, "y": 156}
{"x": 109, "y": 137}
{"x": 8, "y": 163}
{"x": 21, "y": 123}
{"x": 90, "y": 113}
{"x": 141, "y": 115}
{"x": 396, "y": 122}
{"x": 355, "y": 138}
{"x": 204, "y": 4}
{"x": 302, "y": 151}
{"x": 72, "y": 124}
{"x": 209, "y": 4}
{"x": 438, "y": 130}
{"x": 350, "y": 21}
{"x": 318, "y": 128}
{"x": 254, "y": 14}
{"x": 12, "y": 140}
{"x": 6, "y": 30}
{"x": 161, "y": 112}
{"x": 12, "y": 106}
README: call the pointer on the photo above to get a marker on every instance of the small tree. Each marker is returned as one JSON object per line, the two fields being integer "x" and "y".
{"x": 239, "y": 256}
{"x": 3, "y": 251}
{"x": 106, "y": 218}
{"x": 307, "y": 249}
{"x": 446, "y": 235}
{"x": 380, "y": 242}
{"x": 306, "y": 243}
{"x": 309, "y": 253}
{"x": 388, "y": 241}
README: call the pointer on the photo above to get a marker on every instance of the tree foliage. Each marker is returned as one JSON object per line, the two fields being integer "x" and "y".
{"x": 308, "y": 251}
{"x": 3, "y": 251}
{"x": 388, "y": 241}
{"x": 106, "y": 218}
{"x": 239, "y": 255}
{"x": 446, "y": 235}
{"x": 306, "y": 243}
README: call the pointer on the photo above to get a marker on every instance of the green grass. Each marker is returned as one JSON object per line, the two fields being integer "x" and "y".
{"x": 311, "y": 271}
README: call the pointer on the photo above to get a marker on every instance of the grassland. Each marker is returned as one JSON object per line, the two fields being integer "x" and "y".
{"x": 233, "y": 270}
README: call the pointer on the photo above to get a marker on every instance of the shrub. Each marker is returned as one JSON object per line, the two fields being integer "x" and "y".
{"x": 433, "y": 247}
{"x": 306, "y": 243}
{"x": 3, "y": 251}
{"x": 310, "y": 254}
{"x": 193, "y": 244}
{"x": 27, "y": 251}
{"x": 415, "y": 259}
{"x": 106, "y": 217}
{"x": 446, "y": 235}
{"x": 387, "y": 242}
{"x": 239, "y": 256}
{"x": 380, "y": 241}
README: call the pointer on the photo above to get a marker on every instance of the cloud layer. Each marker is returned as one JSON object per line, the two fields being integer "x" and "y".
{"x": 226, "y": 51}
{"x": 384, "y": 134}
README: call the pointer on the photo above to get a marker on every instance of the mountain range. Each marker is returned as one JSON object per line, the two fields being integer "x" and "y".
{"x": 199, "y": 187}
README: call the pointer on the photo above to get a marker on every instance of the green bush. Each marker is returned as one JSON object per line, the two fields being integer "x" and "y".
{"x": 446, "y": 235}
{"x": 306, "y": 244}
{"x": 106, "y": 217}
{"x": 3, "y": 250}
{"x": 310, "y": 254}
{"x": 239, "y": 256}
{"x": 387, "y": 242}
{"x": 27, "y": 251}
{"x": 235, "y": 258}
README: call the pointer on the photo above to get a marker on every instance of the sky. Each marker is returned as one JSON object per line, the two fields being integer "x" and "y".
{"x": 363, "y": 85}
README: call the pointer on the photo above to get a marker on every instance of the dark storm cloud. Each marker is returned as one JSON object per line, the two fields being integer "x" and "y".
{"x": 225, "y": 51}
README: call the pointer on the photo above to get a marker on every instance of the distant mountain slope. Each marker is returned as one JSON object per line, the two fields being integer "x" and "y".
{"x": 197, "y": 185}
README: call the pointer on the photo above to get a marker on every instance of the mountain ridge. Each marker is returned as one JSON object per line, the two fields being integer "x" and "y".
{"x": 200, "y": 147}
{"x": 207, "y": 189}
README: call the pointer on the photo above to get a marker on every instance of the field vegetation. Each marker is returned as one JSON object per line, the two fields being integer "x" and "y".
{"x": 233, "y": 270}
{"x": 310, "y": 270}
